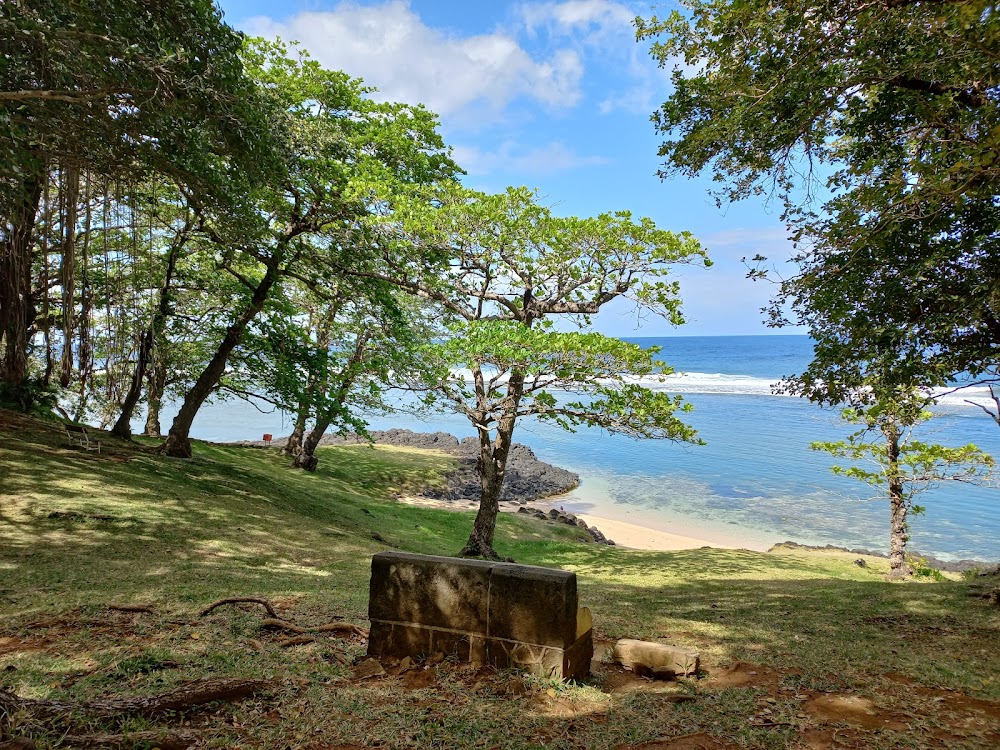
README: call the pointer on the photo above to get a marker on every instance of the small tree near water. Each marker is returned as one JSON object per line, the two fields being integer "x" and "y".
{"x": 887, "y": 458}
{"x": 509, "y": 269}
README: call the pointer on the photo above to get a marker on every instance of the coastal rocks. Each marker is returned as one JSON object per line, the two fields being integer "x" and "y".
{"x": 441, "y": 441}
{"x": 947, "y": 566}
{"x": 559, "y": 516}
{"x": 527, "y": 478}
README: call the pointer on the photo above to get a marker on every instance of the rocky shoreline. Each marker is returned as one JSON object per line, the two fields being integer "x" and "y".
{"x": 946, "y": 566}
{"x": 529, "y": 479}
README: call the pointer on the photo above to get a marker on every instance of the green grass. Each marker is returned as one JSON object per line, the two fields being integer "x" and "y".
{"x": 80, "y": 531}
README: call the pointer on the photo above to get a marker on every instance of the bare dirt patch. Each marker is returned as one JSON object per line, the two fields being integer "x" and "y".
{"x": 743, "y": 674}
{"x": 850, "y": 709}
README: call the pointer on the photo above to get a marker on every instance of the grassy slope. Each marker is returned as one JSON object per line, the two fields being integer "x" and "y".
{"x": 80, "y": 531}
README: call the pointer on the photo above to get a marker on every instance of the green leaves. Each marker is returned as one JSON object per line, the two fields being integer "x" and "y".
{"x": 889, "y": 113}
{"x": 888, "y": 453}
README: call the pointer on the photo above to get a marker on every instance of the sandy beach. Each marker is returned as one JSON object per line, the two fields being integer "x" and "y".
{"x": 624, "y": 533}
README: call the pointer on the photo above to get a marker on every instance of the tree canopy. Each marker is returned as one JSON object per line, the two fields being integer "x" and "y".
{"x": 888, "y": 109}
{"x": 501, "y": 269}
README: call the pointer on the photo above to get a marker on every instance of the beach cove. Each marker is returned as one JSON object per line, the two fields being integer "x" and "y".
{"x": 754, "y": 484}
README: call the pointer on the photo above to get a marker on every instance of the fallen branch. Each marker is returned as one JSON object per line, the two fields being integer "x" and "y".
{"x": 241, "y": 599}
{"x": 183, "y": 698}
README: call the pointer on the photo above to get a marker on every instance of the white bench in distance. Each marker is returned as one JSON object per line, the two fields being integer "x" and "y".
{"x": 78, "y": 436}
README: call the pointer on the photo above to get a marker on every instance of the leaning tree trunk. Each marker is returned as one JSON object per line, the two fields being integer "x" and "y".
{"x": 899, "y": 568}
{"x": 178, "y": 442}
{"x": 123, "y": 427}
{"x": 17, "y": 310}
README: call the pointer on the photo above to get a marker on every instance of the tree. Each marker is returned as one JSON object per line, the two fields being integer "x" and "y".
{"x": 110, "y": 89}
{"x": 903, "y": 466}
{"x": 896, "y": 104}
{"x": 507, "y": 269}
{"x": 343, "y": 153}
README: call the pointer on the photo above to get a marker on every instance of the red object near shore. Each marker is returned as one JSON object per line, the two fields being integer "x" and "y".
{"x": 267, "y": 438}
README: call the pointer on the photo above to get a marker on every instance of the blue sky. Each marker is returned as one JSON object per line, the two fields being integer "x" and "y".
{"x": 554, "y": 95}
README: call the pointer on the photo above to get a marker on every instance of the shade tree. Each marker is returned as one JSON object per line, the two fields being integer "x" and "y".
{"x": 343, "y": 153}
{"x": 875, "y": 124}
{"x": 501, "y": 270}
{"x": 886, "y": 454}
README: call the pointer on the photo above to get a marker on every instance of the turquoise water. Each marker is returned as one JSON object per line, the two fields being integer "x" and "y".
{"x": 756, "y": 474}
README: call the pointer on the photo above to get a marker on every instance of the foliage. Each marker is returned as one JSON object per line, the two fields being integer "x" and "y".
{"x": 896, "y": 105}
{"x": 124, "y": 87}
{"x": 920, "y": 465}
{"x": 31, "y": 396}
{"x": 614, "y": 377}
{"x": 500, "y": 269}
{"x": 898, "y": 466}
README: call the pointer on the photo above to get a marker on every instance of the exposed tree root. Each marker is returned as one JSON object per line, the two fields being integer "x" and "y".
{"x": 298, "y": 640}
{"x": 278, "y": 624}
{"x": 185, "y": 697}
{"x": 238, "y": 599}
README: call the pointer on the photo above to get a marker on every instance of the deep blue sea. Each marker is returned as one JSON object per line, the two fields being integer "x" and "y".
{"x": 755, "y": 477}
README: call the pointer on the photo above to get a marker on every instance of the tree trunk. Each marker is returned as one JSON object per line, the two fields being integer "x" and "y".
{"x": 85, "y": 353}
{"x": 155, "y": 385}
{"x": 492, "y": 466}
{"x": 899, "y": 569}
{"x": 123, "y": 427}
{"x": 293, "y": 446}
{"x": 67, "y": 278}
{"x": 178, "y": 442}
{"x": 306, "y": 458}
{"x": 17, "y": 310}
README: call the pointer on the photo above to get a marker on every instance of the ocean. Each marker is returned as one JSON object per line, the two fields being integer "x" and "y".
{"x": 756, "y": 477}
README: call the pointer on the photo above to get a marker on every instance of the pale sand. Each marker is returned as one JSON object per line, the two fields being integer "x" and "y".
{"x": 624, "y": 534}
{"x": 640, "y": 537}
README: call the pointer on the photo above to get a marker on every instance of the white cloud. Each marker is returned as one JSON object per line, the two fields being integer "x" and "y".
{"x": 393, "y": 49}
{"x": 636, "y": 100}
{"x": 604, "y": 31}
{"x": 547, "y": 159}
{"x": 575, "y": 16}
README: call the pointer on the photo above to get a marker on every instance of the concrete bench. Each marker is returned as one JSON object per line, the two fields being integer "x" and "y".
{"x": 482, "y": 612}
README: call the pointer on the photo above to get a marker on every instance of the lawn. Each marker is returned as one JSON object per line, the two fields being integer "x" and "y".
{"x": 107, "y": 560}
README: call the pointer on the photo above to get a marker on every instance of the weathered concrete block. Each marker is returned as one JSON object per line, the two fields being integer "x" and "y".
{"x": 496, "y": 613}
{"x": 442, "y": 592}
{"x": 656, "y": 658}
{"x": 533, "y": 605}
